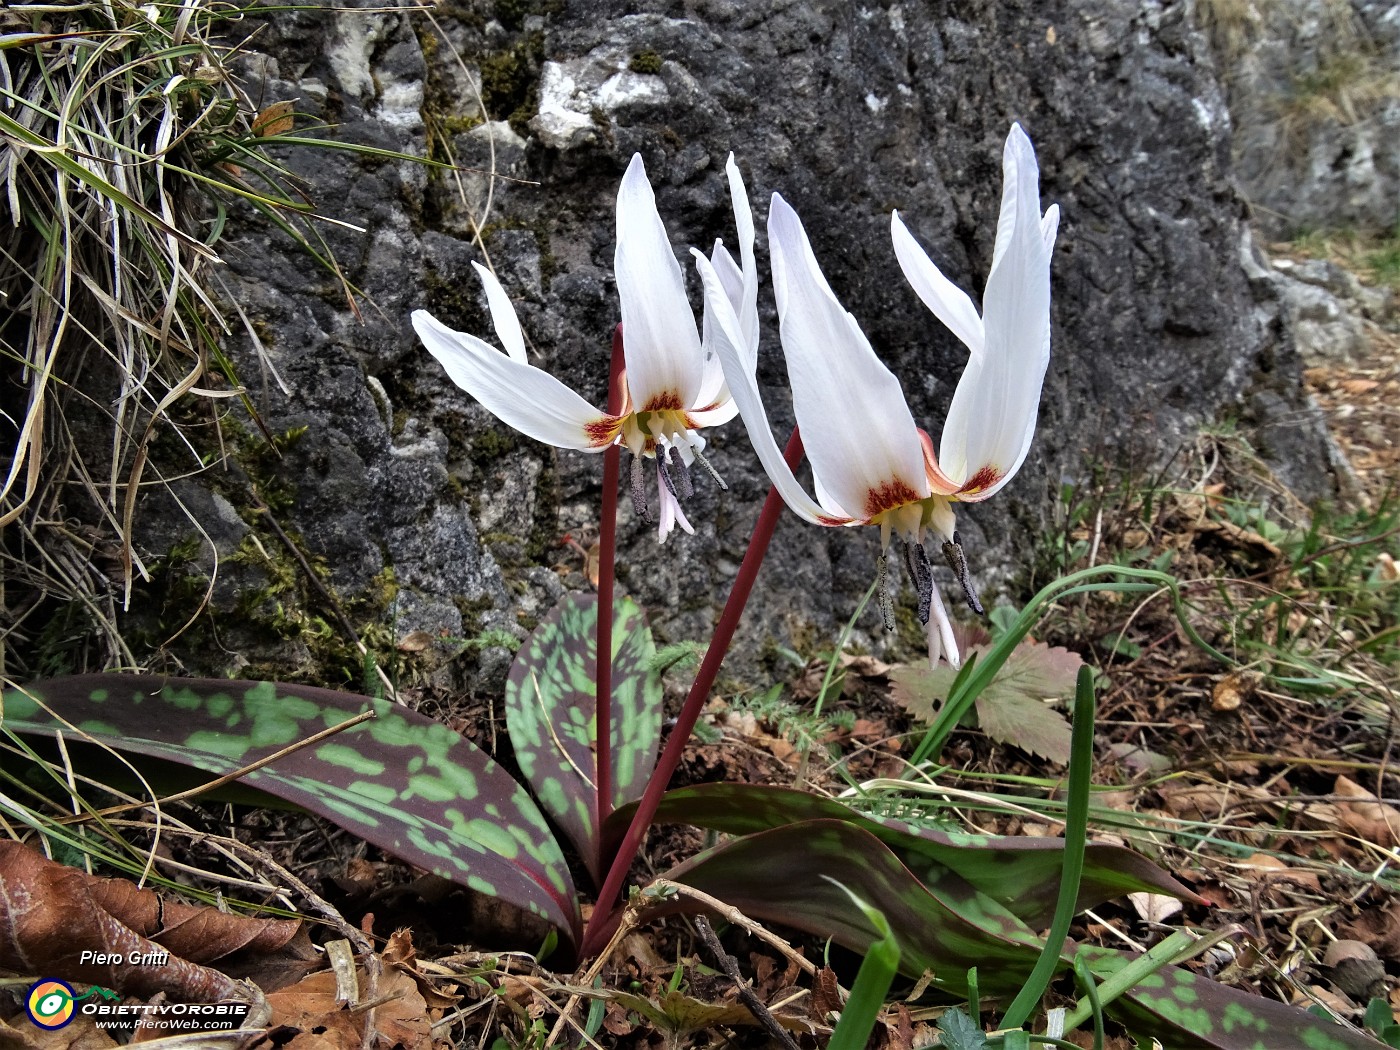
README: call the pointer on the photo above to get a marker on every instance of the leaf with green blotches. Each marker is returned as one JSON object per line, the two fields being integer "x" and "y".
{"x": 1184, "y": 1011}
{"x": 1019, "y": 873}
{"x": 791, "y": 874}
{"x": 550, "y": 708}
{"x": 401, "y": 781}
{"x": 1012, "y": 709}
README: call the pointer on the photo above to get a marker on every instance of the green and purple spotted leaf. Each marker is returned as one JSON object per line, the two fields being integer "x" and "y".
{"x": 785, "y": 875}
{"x": 804, "y": 875}
{"x": 1185, "y": 1011}
{"x": 1020, "y": 873}
{"x": 401, "y": 781}
{"x": 551, "y": 714}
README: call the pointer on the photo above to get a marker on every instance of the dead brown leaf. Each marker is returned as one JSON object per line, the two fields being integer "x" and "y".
{"x": 1365, "y": 815}
{"x": 1265, "y": 868}
{"x": 50, "y": 914}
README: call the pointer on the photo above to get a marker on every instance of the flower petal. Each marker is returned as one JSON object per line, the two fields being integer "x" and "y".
{"x": 743, "y": 386}
{"x": 747, "y": 306}
{"x": 855, "y": 424}
{"x": 519, "y": 395}
{"x": 671, "y": 513}
{"x": 949, "y": 303}
{"x": 502, "y": 314}
{"x": 993, "y": 414}
{"x": 713, "y": 394}
{"x": 660, "y": 341}
{"x": 941, "y": 640}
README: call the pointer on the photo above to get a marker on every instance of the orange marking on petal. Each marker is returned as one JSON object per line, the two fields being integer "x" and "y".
{"x": 822, "y": 519}
{"x": 670, "y": 401}
{"x": 603, "y": 430}
{"x": 893, "y": 493}
{"x": 985, "y": 477}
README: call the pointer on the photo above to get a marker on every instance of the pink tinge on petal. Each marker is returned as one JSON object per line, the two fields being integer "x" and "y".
{"x": 938, "y": 481}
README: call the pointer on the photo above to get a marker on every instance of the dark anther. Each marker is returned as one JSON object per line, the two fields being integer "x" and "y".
{"x": 883, "y": 585}
{"x": 957, "y": 561}
{"x": 639, "y": 491}
{"x": 700, "y": 458}
{"x": 675, "y": 459}
{"x": 666, "y": 478}
{"x": 923, "y": 578}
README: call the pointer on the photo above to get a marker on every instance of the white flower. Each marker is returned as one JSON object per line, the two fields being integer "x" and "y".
{"x": 672, "y": 385}
{"x": 870, "y": 463}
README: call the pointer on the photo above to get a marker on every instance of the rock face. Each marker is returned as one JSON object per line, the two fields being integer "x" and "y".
{"x": 428, "y": 515}
{"x": 1314, "y": 92}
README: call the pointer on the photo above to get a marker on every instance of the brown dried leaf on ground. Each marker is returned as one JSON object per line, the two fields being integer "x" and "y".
{"x": 82, "y": 1034}
{"x": 1365, "y": 815}
{"x": 50, "y": 914}
{"x": 312, "y": 1018}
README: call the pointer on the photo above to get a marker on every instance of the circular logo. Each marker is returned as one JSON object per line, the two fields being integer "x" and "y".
{"x": 50, "y": 1004}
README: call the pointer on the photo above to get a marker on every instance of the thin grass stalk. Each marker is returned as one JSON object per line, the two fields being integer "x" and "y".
{"x": 607, "y": 556}
{"x": 605, "y": 915}
{"x": 1081, "y": 770}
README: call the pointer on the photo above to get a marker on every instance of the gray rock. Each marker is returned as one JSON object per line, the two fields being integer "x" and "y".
{"x": 1159, "y": 327}
{"x": 1314, "y": 95}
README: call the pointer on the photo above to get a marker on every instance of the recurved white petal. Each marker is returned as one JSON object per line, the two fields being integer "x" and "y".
{"x": 727, "y": 338}
{"x": 747, "y": 306}
{"x": 992, "y": 418}
{"x": 519, "y": 395}
{"x": 503, "y": 317}
{"x": 856, "y": 426}
{"x": 712, "y": 388}
{"x": 941, "y": 641}
{"x": 949, "y": 303}
{"x": 660, "y": 341}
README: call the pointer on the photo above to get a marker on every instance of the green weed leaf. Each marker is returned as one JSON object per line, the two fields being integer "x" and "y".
{"x": 957, "y": 1032}
{"x": 1012, "y": 708}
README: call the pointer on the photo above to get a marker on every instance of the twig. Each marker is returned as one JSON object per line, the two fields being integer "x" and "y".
{"x": 732, "y": 915}
{"x": 727, "y": 963}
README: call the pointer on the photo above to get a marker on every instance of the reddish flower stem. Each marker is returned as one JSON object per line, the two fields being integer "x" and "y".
{"x": 607, "y": 551}
{"x": 605, "y": 915}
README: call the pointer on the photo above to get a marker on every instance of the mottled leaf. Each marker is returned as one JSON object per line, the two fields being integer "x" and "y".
{"x": 790, "y": 875}
{"x": 1185, "y": 1011}
{"x": 784, "y": 876}
{"x": 550, "y": 713}
{"x": 1012, "y": 708}
{"x": 402, "y": 781}
{"x": 1020, "y": 873}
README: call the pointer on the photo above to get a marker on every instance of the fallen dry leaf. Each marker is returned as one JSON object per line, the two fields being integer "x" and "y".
{"x": 1266, "y": 867}
{"x": 1365, "y": 815}
{"x": 51, "y": 914}
{"x": 1154, "y": 907}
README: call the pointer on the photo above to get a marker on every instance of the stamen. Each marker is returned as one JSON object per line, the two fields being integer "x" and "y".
{"x": 678, "y": 461}
{"x": 882, "y": 585}
{"x": 957, "y": 561}
{"x": 639, "y": 491}
{"x": 700, "y": 458}
{"x": 669, "y": 481}
{"x": 923, "y": 578}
